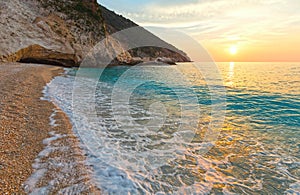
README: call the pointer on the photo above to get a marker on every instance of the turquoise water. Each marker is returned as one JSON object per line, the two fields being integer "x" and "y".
{"x": 256, "y": 151}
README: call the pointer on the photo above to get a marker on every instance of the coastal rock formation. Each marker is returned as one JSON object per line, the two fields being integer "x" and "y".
{"x": 62, "y": 32}
{"x": 38, "y": 54}
{"x": 165, "y": 61}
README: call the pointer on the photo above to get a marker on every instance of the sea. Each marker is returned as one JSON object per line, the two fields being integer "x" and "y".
{"x": 205, "y": 128}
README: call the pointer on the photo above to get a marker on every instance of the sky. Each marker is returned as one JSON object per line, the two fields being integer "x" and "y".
{"x": 230, "y": 30}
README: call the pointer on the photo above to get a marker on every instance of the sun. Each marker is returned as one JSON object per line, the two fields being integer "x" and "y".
{"x": 233, "y": 50}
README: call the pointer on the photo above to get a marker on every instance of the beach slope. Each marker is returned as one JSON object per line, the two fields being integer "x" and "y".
{"x": 24, "y": 129}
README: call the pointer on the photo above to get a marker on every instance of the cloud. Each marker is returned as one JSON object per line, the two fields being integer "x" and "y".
{"x": 219, "y": 22}
{"x": 222, "y": 19}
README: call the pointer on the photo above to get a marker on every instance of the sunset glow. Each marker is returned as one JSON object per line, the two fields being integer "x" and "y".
{"x": 150, "y": 97}
{"x": 233, "y": 50}
{"x": 266, "y": 30}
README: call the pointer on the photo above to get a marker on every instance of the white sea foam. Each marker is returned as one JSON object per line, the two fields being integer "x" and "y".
{"x": 118, "y": 167}
{"x": 123, "y": 158}
{"x": 58, "y": 167}
{"x": 40, "y": 168}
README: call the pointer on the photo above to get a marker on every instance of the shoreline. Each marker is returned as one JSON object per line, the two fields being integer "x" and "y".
{"x": 38, "y": 153}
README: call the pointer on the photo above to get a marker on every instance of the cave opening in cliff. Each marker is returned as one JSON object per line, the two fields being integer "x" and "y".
{"x": 65, "y": 63}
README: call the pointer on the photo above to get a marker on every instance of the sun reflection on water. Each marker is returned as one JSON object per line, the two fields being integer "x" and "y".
{"x": 230, "y": 76}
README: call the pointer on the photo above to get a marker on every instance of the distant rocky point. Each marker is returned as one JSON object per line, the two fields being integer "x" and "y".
{"x": 62, "y": 32}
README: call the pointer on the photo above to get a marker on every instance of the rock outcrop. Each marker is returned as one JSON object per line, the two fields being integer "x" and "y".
{"x": 62, "y": 32}
{"x": 38, "y": 54}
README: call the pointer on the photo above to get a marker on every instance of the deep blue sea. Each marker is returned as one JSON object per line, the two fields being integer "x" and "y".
{"x": 174, "y": 130}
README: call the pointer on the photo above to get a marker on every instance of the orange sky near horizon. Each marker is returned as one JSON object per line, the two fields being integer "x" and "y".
{"x": 261, "y": 30}
{"x": 283, "y": 49}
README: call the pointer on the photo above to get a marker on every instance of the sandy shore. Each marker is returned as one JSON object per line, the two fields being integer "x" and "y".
{"x": 24, "y": 129}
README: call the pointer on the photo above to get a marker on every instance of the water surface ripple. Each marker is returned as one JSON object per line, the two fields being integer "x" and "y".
{"x": 257, "y": 151}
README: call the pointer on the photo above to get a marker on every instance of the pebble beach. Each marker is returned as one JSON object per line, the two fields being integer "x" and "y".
{"x": 31, "y": 154}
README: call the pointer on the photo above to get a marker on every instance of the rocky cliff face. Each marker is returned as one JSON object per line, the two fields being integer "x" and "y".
{"x": 62, "y": 32}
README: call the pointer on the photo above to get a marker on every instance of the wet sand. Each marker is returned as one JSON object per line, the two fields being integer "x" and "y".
{"x": 24, "y": 126}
